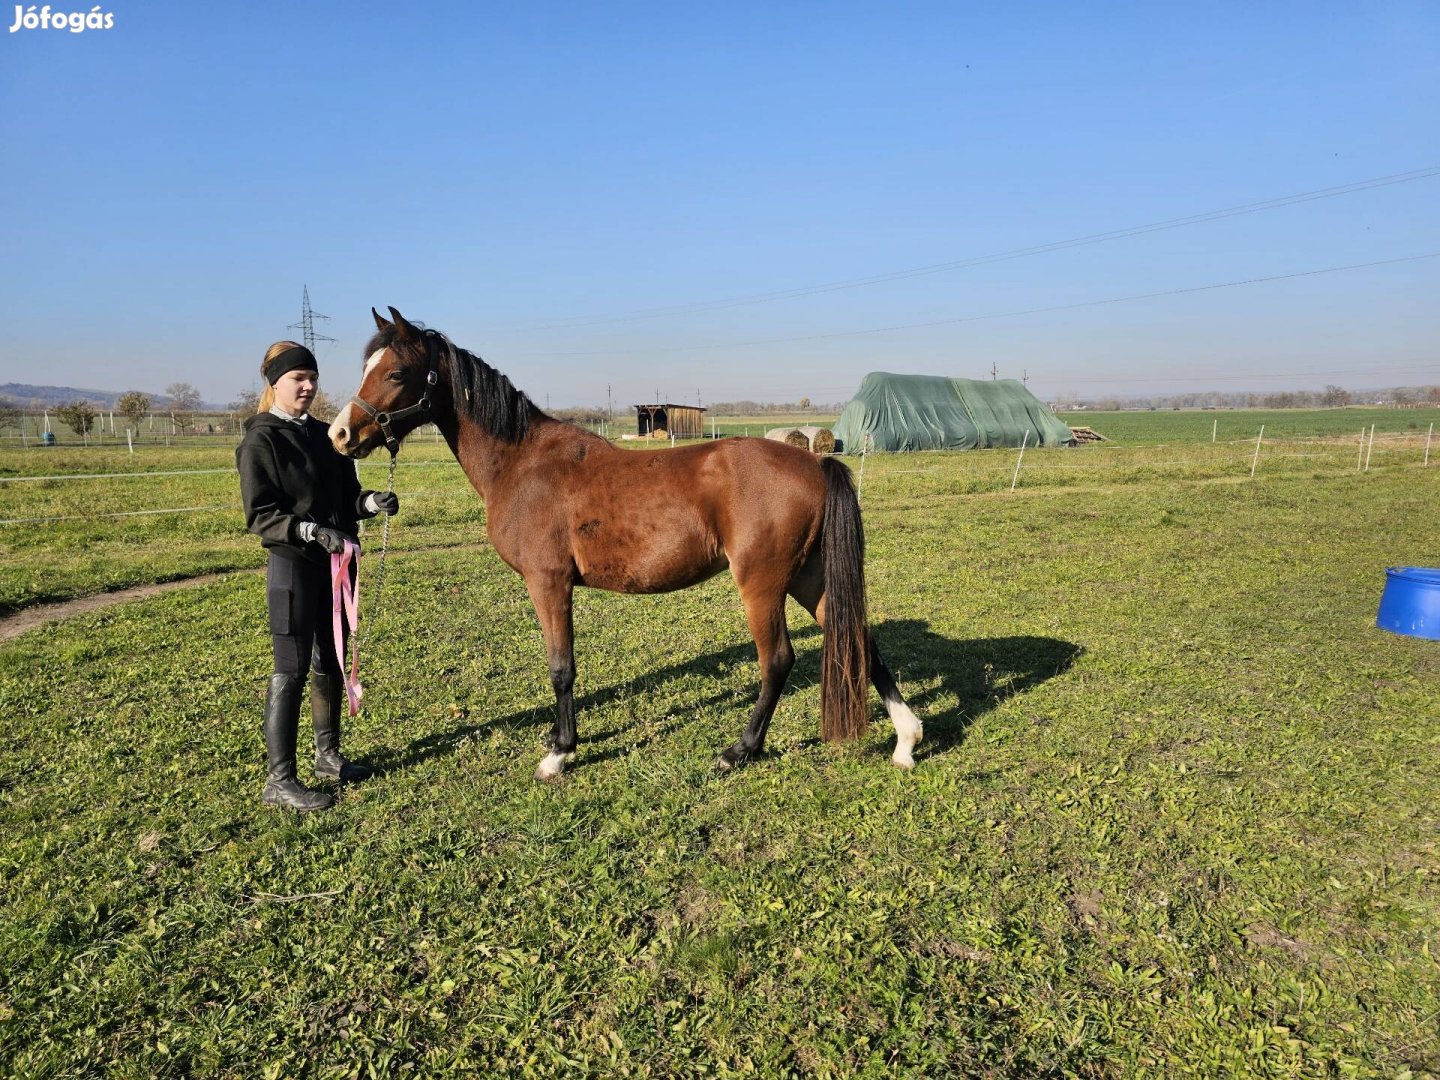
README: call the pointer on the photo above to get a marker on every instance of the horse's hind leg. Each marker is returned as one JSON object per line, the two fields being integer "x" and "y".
{"x": 765, "y": 611}
{"x": 908, "y": 729}
{"x": 808, "y": 588}
{"x": 552, "y": 597}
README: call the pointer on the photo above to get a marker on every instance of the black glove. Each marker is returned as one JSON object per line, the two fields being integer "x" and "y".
{"x": 332, "y": 540}
{"x": 386, "y": 502}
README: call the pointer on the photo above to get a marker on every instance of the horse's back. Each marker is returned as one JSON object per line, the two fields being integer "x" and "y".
{"x": 659, "y": 520}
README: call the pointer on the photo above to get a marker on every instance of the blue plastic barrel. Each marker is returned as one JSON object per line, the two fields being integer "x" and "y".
{"x": 1411, "y": 602}
{"x": 47, "y": 438}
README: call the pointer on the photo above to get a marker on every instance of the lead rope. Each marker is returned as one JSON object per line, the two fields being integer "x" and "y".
{"x": 364, "y": 633}
{"x": 345, "y": 608}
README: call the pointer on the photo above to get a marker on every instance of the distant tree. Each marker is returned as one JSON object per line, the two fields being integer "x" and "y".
{"x": 184, "y": 403}
{"x": 581, "y": 414}
{"x": 1334, "y": 397}
{"x": 804, "y": 404}
{"x": 1432, "y": 395}
{"x": 79, "y": 415}
{"x": 1402, "y": 398}
{"x": 323, "y": 407}
{"x": 133, "y": 405}
{"x": 9, "y": 413}
{"x": 246, "y": 405}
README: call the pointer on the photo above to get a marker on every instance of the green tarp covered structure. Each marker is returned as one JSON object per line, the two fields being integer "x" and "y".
{"x": 932, "y": 412}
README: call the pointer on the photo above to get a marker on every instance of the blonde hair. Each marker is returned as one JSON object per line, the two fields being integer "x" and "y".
{"x": 267, "y": 396}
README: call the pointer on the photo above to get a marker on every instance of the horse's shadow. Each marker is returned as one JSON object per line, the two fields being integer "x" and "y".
{"x": 966, "y": 679}
{"x": 978, "y": 674}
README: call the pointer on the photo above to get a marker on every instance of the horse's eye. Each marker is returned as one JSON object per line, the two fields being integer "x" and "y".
{"x": 396, "y": 376}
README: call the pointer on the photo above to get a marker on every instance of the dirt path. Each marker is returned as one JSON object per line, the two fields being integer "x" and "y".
{"x": 16, "y": 623}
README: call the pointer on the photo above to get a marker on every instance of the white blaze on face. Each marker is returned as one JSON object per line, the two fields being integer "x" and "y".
{"x": 340, "y": 427}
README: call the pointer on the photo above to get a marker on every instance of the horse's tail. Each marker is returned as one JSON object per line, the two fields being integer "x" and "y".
{"x": 845, "y": 657}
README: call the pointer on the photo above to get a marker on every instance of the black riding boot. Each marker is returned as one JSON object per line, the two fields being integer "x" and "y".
{"x": 282, "y": 716}
{"x": 326, "y": 695}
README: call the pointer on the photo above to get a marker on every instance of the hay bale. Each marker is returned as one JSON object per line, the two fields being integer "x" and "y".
{"x": 820, "y": 439}
{"x": 790, "y": 436}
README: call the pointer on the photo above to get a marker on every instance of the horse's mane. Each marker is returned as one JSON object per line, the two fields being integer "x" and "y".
{"x": 483, "y": 394}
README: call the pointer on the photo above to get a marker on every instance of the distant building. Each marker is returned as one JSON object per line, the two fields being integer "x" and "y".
{"x": 679, "y": 421}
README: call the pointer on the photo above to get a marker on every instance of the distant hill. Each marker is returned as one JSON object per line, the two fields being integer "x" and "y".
{"x": 28, "y": 396}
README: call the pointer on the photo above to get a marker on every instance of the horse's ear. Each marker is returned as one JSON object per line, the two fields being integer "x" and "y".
{"x": 380, "y": 323}
{"x": 403, "y": 328}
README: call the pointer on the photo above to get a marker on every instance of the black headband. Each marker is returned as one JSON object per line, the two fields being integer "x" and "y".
{"x": 295, "y": 358}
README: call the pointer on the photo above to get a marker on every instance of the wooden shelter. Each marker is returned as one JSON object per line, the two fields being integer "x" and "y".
{"x": 680, "y": 421}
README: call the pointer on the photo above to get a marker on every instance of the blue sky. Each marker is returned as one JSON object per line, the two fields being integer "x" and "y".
{"x": 539, "y": 180}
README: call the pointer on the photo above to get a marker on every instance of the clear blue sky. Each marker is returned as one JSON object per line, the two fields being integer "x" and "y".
{"x": 518, "y": 175}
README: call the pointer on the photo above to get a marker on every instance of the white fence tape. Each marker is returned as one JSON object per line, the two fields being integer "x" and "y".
{"x": 174, "y": 472}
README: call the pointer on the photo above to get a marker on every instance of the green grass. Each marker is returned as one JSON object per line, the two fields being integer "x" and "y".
{"x": 47, "y": 559}
{"x": 1176, "y": 812}
{"x": 87, "y": 553}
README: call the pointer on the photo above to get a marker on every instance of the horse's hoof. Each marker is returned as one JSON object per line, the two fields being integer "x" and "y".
{"x": 551, "y": 767}
{"x": 907, "y": 762}
{"x": 729, "y": 759}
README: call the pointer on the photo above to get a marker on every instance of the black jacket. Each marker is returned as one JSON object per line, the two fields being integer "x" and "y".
{"x": 291, "y": 473}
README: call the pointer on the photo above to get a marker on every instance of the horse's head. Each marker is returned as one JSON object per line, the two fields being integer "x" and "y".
{"x": 396, "y": 388}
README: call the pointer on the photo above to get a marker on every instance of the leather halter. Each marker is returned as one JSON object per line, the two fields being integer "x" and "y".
{"x": 385, "y": 419}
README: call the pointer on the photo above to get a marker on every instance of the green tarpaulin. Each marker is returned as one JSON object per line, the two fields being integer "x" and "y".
{"x": 931, "y": 412}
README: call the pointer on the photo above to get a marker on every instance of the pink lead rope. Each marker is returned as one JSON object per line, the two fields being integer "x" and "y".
{"x": 345, "y": 593}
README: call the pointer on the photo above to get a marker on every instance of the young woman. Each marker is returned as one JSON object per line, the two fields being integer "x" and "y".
{"x": 304, "y": 500}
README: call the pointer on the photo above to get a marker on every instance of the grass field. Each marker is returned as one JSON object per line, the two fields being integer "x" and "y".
{"x": 1191, "y": 425}
{"x": 1176, "y": 813}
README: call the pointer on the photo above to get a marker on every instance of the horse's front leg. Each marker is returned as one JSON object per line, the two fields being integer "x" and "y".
{"x": 552, "y": 596}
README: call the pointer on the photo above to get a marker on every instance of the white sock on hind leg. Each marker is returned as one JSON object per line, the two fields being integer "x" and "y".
{"x": 908, "y": 732}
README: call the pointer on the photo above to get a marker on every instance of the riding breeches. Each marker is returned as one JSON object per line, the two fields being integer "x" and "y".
{"x": 301, "y": 615}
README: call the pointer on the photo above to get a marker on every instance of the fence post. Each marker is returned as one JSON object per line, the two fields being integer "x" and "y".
{"x": 1023, "y": 443}
{"x": 1360, "y": 456}
{"x": 1428, "y": 434}
{"x": 1256, "y": 461}
{"x": 1214, "y": 430}
{"x": 1370, "y": 449}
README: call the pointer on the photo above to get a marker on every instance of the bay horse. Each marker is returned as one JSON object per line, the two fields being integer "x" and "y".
{"x": 564, "y": 507}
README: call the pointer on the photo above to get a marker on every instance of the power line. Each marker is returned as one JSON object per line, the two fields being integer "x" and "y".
{"x": 998, "y": 314}
{"x": 1383, "y": 372}
{"x": 1387, "y": 372}
{"x": 578, "y": 321}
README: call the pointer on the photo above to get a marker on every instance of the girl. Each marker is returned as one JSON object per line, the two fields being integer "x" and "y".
{"x": 304, "y": 501}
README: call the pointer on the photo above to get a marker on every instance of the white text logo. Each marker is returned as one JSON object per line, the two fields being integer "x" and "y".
{"x": 75, "y": 21}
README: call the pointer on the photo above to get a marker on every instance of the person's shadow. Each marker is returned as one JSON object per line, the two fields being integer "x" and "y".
{"x": 979, "y": 674}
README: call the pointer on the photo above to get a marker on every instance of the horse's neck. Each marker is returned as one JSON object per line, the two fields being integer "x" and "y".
{"x": 482, "y": 455}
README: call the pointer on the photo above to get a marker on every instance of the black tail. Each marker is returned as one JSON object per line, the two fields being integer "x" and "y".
{"x": 845, "y": 657}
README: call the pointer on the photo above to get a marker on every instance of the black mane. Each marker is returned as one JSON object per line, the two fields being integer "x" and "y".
{"x": 486, "y": 396}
